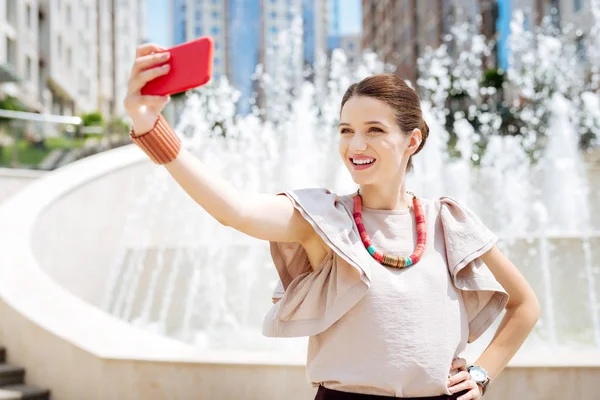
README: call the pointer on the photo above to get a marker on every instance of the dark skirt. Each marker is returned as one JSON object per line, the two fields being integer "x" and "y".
{"x": 329, "y": 394}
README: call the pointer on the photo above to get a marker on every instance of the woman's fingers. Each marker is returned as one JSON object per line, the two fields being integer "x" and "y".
{"x": 148, "y": 48}
{"x": 472, "y": 394}
{"x": 147, "y": 61}
{"x": 460, "y": 377}
{"x": 465, "y": 385}
{"x": 139, "y": 80}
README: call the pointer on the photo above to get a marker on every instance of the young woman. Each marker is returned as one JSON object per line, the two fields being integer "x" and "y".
{"x": 390, "y": 287}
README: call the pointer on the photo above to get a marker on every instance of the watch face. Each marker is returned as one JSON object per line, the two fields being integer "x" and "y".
{"x": 478, "y": 374}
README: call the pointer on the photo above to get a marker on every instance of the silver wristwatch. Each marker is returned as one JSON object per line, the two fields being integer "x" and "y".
{"x": 480, "y": 376}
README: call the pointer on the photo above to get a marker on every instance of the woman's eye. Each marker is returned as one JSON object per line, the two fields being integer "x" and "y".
{"x": 375, "y": 129}
{"x": 345, "y": 130}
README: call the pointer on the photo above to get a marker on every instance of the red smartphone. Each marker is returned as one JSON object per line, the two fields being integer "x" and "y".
{"x": 191, "y": 66}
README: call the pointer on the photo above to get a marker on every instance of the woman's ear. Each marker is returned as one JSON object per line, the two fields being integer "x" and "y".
{"x": 416, "y": 137}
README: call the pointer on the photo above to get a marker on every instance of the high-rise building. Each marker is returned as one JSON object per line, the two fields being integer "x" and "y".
{"x": 400, "y": 31}
{"x": 129, "y": 31}
{"x": 19, "y": 56}
{"x": 68, "y": 57}
{"x": 562, "y": 13}
{"x": 246, "y": 33}
{"x": 334, "y": 31}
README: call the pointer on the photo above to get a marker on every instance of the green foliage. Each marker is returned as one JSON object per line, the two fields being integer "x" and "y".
{"x": 29, "y": 155}
{"x": 493, "y": 77}
{"x": 118, "y": 125}
{"x": 11, "y": 103}
{"x": 92, "y": 119}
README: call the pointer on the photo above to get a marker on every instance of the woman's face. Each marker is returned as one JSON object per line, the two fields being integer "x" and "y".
{"x": 373, "y": 147}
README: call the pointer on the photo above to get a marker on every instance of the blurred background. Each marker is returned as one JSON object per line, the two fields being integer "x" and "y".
{"x": 61, "y": 58}
{"x": 103, "y": 250}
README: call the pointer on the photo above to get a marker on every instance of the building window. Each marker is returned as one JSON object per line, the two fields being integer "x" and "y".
{"x": 274, "y": 30}
{"x": 217, "y": 46}
{"x": 11, "y": 11}
{"x": 83, "y": 84}
{"x": 69, "y": 57}
{"x": 28, "y": 68}
{"x": 28, "y": 15}
{"x": 11, "y": 53}
{"x": 580, "y": 43}
{"x": 216, "y": 61}
{"x": 215, "y": 30}
{"x": 215, "y": 14}
{"x": 59, "y": 46}
{"x": 198, "y": 15}
{"x": 198, "y": 31}
{"x": 68, "y": 14}
{"x": 274, "y": 15}
{"x": 578, "y": 5}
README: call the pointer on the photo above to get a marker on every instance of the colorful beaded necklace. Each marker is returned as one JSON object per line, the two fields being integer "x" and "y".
{"x": 387, "y": 259}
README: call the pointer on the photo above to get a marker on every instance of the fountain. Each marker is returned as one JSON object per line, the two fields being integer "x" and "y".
{"x": 181, "y": 274}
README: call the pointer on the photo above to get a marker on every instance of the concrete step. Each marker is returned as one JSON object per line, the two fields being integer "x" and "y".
{"x": 25, "y": 392}
{"x": 11, "y": 375}
{"x": 12, "y": 383}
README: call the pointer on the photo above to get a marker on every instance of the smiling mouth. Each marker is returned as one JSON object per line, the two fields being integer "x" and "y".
{"x": 360, "y": 162}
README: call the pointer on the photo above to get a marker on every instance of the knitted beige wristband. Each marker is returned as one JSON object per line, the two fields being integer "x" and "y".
{"x": 161, "y": 143}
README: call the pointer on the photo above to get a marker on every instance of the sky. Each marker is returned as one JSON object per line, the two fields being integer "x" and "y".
{"x": 158, "y": 19}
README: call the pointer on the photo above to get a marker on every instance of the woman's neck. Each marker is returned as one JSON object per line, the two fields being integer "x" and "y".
{"x": 388, "y": 197}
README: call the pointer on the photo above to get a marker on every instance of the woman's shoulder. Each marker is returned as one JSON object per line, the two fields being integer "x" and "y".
{"x": 320, "y": 198}
{"x": 446, "y": 204}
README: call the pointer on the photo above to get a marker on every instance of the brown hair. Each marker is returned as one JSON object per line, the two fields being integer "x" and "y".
{"x": 392, "y": 90}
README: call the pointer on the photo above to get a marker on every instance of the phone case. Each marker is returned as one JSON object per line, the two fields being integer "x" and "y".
{"x": 191, "y": 66}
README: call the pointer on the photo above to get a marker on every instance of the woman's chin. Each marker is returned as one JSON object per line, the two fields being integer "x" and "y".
{"x": 361, "y": 179}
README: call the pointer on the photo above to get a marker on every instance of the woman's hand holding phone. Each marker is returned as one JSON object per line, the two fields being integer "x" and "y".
{"x": 150, "y": 63}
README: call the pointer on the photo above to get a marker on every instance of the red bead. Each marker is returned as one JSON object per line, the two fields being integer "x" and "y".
{"x": 378, "y": 256}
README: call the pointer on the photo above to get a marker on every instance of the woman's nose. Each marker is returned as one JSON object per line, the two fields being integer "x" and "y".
{"x": 358, "y": 144}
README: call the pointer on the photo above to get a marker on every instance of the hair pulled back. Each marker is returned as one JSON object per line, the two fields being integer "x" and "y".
{"x": 404, "y": 100}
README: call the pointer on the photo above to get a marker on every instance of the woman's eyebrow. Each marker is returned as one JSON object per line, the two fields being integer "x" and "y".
{"x": 375, "y": 122}
{"x": 366, "y": 123}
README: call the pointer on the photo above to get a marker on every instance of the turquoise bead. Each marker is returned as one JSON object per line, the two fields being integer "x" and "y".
{"x": 408, "y": 261}
{"x": 371, "y": 250}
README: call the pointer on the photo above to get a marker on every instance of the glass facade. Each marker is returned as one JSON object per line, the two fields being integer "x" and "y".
{"x": 237, "y": 26}
{"x": 308, "y": 21}
{"x": 334, "y": 33}
{"x": 243, "y": 44}
{"x": 503, "y": 29}
{"x": 179, "y": 21}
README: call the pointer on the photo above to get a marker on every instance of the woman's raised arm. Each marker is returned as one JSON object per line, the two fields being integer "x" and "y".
{"x": 263, "y": 216}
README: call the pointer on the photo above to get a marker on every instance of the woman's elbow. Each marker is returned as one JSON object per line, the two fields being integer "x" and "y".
{"x": 529, "y": 307}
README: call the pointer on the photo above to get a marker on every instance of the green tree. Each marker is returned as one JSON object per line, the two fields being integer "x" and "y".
{"x": 92, "y": 119}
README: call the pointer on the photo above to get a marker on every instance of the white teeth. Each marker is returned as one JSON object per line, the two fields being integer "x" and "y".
{"x": 362, "y": 162}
